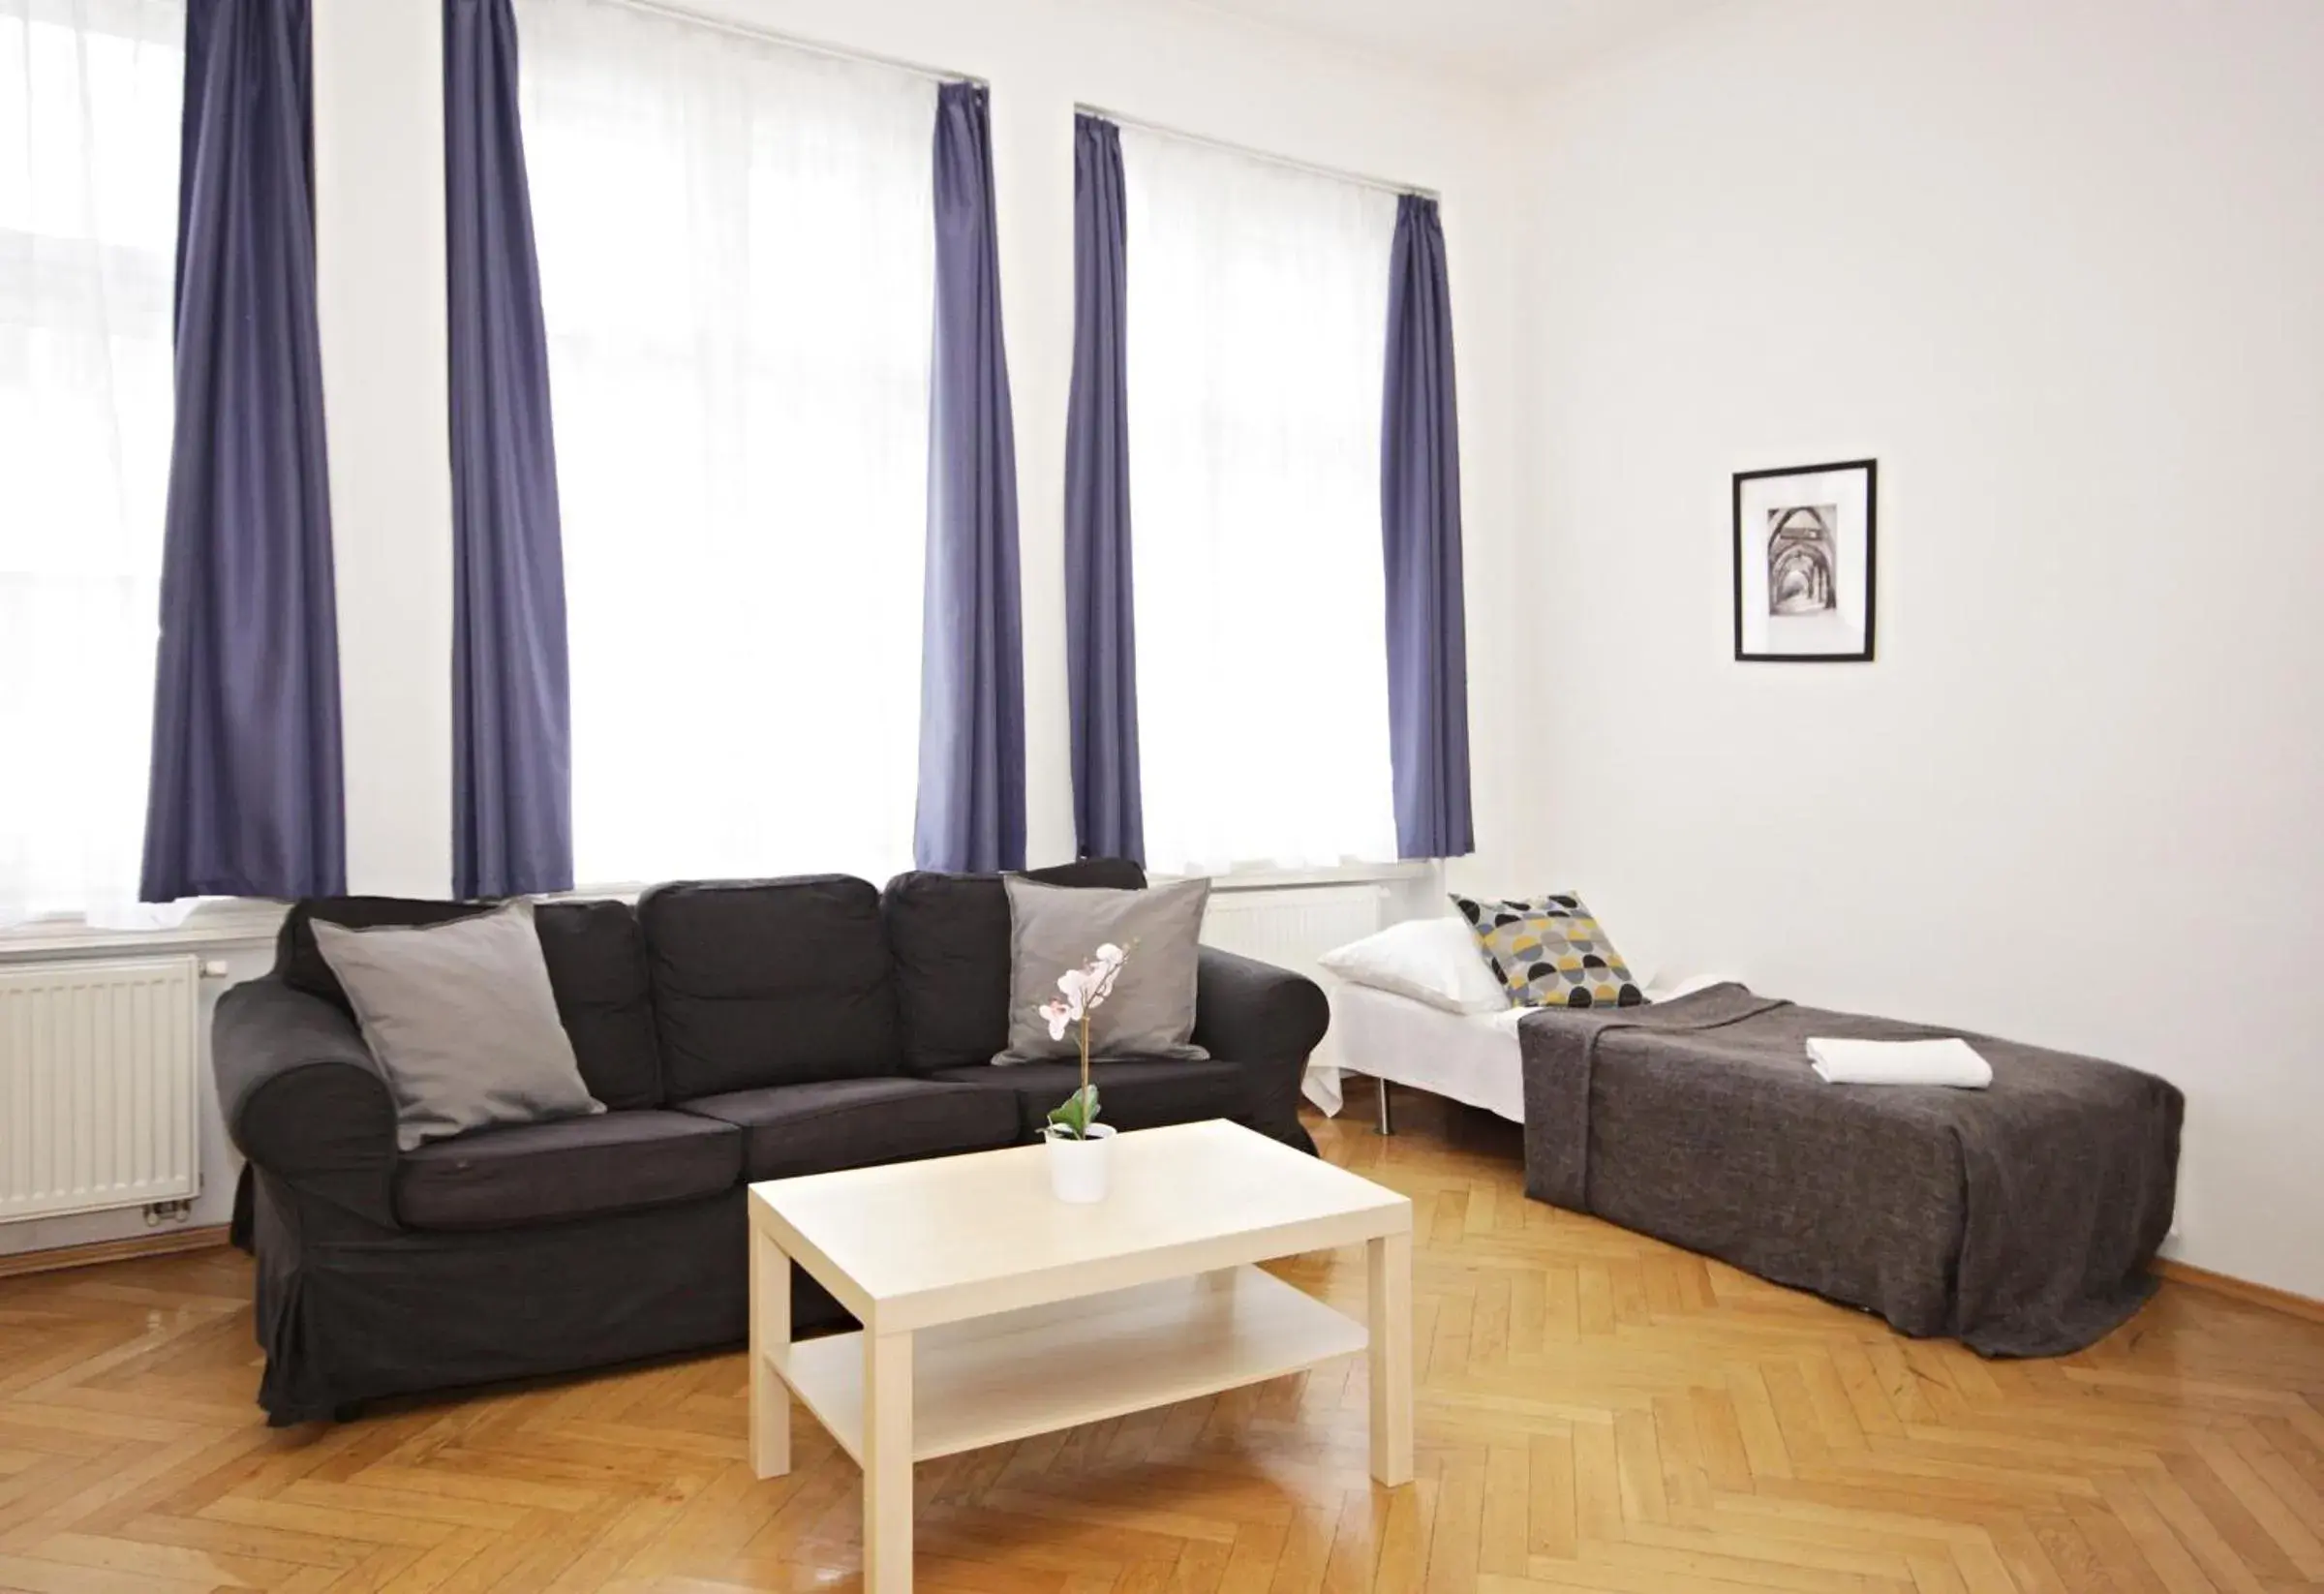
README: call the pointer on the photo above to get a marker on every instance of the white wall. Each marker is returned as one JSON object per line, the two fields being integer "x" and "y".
{"x": 2057, "y": 267}
{"x": 380, "y": 302}
{"x": 380, "y": 171}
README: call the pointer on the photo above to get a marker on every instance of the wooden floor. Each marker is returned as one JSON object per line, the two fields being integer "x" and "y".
{"x": 1596, "y": 1412}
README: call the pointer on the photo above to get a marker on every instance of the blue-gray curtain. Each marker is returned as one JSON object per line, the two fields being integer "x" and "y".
{"x": 513, "y": 774}
{"x": 971, "y": 811}
{"x": 1101, "y": 634}
{"x": 1420, "y": 523}
{"x": 245, "y": 797}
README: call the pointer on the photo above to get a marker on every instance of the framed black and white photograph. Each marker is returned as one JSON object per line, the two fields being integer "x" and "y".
{"x": 1804, "y": 563}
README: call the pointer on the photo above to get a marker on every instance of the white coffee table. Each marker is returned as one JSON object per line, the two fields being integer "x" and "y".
{"x": 992, "y": 1311}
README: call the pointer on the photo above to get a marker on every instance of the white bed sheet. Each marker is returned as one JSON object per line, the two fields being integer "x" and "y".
{"x": 1470, "y": 1057}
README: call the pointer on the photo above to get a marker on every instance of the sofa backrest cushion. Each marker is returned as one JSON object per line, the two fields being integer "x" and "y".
{"x": 301, "y": 963}
{"x": 949, "y": 934}
{"x": 596, "y": 956}
{"x": 597, "y": 961}
{"x": 769, "y": 981}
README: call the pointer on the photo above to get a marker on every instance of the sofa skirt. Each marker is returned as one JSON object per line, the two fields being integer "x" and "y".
{"x": 346, "y": 1312}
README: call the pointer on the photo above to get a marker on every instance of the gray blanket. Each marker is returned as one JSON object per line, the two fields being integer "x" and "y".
{"x": 2019, "y": 1219}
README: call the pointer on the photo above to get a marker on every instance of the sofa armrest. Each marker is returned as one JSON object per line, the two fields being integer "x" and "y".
{"x": 303, "y": 1098}
{"x": 1249, "y": 1011}
{"x": 1268, "y": 1020}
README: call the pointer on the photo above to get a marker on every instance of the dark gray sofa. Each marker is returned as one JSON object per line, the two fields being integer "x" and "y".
{"x": 736, "y": 1031}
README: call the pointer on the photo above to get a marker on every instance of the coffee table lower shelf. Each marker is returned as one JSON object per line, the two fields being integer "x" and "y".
{"x": 990, "y": 1380}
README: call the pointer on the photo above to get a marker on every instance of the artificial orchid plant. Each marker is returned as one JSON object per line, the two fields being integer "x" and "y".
{"x": 1083, "y": 990}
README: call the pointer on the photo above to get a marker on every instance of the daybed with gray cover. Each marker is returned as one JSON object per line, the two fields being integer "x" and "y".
{"x": 2019, "y": 1219}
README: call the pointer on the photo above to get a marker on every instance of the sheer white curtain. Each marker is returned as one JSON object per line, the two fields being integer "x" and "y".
{"x": 737, "y": 271}
{"x": 89, "y": 96}
{"x": 1258, "y": 325}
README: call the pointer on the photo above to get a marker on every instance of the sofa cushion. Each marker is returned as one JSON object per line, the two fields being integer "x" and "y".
{"x": 461, "y": 1019}
{"x": 950, "y": 937}
{"x": 596, "y": 967}
{"x": 545, "y": 1173}
{"x": 1147, "y": 1000}
{"x": 596, "y": 958}
{"x": 830, "y": 1124}
{"x": 1132, "y": 1094}
{"x": 768, "y": 982}
{"x": 301, "y": 963}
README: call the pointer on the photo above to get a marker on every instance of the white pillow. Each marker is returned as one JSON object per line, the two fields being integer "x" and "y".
{"x": 1434, "y": 960}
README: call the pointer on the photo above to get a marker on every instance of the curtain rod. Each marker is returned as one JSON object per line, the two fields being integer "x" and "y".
{"x": 811, "y": 47}
{"x": 1311, "y": 168}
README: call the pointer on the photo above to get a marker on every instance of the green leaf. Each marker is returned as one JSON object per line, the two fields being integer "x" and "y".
{"x": 1077, "y": 1113}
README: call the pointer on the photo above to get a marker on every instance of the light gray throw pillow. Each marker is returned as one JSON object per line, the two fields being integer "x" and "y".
{"x": 1054, "y": 928}
{"x": 462, "y": 1021}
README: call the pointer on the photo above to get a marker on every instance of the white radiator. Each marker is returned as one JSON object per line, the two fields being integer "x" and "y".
{"x": 99, "y": 1068}
{"x": 1293, "y": 926}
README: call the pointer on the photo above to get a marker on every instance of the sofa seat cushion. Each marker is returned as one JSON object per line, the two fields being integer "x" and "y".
{"x": 1132, "y": 1094}
{"x": 829, "y": 1125}
{"x": 547, "y": 1173}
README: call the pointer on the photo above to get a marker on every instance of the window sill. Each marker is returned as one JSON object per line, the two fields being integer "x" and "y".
{"x": 216, "y": 924}
{"x": 1391, "y": 873}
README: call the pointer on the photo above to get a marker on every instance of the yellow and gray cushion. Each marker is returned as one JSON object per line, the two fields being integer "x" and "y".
{"x": 1549, "y": 952}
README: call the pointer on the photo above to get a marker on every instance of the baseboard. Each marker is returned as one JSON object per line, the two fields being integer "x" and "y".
{"x": 2241, "y": 1289}
{"x": 161, "y": 1243}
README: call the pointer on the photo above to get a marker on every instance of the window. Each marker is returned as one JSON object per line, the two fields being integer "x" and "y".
{"x": 88, "y": 225}
{"x": 1258, "y": 325}
{"x": 736, "y": 263}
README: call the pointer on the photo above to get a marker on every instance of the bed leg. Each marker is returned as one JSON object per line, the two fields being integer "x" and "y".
{"x": 1387, "y": 1123}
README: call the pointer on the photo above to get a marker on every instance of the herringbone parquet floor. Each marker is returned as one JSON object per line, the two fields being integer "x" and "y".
{"x": 1596, "y": 1412}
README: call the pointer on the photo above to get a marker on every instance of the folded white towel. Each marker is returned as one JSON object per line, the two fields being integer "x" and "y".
{"x": 1948, "y": 1061}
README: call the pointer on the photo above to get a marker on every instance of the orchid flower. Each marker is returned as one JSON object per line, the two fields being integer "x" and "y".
{"x": 1082, "y": 992}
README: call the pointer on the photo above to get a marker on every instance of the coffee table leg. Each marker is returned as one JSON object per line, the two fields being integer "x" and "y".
{"x": 888, "y": 1463}
{"x": 770, "y": 1339}
{"x": 1389, "y": 1265}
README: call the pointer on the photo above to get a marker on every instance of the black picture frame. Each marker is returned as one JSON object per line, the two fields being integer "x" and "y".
{"x": 1871, "y": 571}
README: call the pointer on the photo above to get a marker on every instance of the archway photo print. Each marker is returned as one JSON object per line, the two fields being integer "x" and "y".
{"x": 1804, "y": 563}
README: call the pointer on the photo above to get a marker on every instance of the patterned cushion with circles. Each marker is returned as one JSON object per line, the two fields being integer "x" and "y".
{"x": 1549, "y": 952}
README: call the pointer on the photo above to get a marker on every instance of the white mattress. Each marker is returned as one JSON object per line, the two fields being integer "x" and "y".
{"x": 1471, "y": 1057}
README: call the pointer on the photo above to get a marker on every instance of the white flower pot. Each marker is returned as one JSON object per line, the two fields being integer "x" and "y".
{"x": 1077, "y": 1168}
